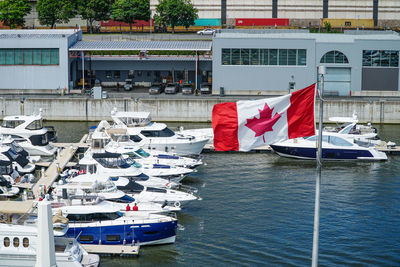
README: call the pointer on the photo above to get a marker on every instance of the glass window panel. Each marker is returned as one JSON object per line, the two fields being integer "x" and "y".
{"x": 2, "y": 56}
{"x": 283, "y": 53}
{"x": 330, "y": 57}
{"x": 339, "y": 57}
{"x": 45, "y": 56}
{"x": 394, "y": 58}
{"x": 301, "y": 57}
{"x": 245, "y": 55}
{"x": 235, "y": 56}
{"x": 345, "y": 60}
{"x": 255, "y": 56}
{"x": 54, "y": 57}
{"x": 385, "y": 57}
{"x": 292, "y": 57}
{"x": 117, "y": 74}
{"x": 264, "y": 56}
{"x": 367, "y": 58}
{"x": 10, "y": 56}
{"x": 18, "y": 57}
{"x": 375, "y": 58}
{"x": 273, "y": 57}
{"x": 27, "y": 56}
{"x": 37, "y": 56}
{"x": 226, "y": 56}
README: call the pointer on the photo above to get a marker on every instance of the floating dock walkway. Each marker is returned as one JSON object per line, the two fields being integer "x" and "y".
{"x": 113, "y": 250}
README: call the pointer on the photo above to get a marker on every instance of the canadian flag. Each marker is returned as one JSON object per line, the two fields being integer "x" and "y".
{"x": 245, "y": 125}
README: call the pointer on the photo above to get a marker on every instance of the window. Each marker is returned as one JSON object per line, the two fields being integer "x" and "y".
{"x": 35, "y": 125}
{"x": 245, "y": 56}
{"x": 11, "y": 124}
{"x": 108, "y": 74}
{"x": 131, "y": 74}
{"x": 301, "y": 57}
{"x": 135, "y": 138}
{"x": 235, "y": 57}
{"x": 6, "y": 242}
{"x": 86, "y": 238}
{"x": 380, "y": 58}
{"x": 18, "y": 57}
{"x": 283, "y": 59}
{"x": 29, "y": 56}
{"x": 334, "y": 57}
{"x": 271, "y": 57}
{"x": 226, "y": 56}
{"x": 113, "y": 238}
{"x": 16, "y": 242}
{"x": 255, "y": 57}
{"x": 25, "y": 242}
{"x": 117, "y": 74}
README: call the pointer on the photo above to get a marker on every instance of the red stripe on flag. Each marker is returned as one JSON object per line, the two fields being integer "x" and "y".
{"x": 300, "y": 114}
{"x": 225, "y": 126}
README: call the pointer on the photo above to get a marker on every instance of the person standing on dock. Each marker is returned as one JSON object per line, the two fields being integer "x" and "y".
{"x": 135, "y": 208}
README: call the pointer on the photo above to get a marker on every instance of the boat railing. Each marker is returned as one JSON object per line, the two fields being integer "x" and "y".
{"x": 188, "y": 189}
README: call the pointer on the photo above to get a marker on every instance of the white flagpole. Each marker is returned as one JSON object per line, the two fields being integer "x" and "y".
{"x": 314, "y": 263}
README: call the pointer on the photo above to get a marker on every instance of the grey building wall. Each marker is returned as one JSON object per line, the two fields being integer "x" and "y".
{"x": 37, "y": 77}
{"x": 262, "y": 79}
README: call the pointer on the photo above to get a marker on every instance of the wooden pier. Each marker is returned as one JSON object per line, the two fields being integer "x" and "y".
{"x": 113, "y": 250}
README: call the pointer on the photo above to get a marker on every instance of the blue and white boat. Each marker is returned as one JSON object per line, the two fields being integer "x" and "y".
{"x": 334, "y": 147}
{"x": 104, "y": 223}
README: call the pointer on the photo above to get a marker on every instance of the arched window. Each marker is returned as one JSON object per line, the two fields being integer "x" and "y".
{"x": 335, "y": 57}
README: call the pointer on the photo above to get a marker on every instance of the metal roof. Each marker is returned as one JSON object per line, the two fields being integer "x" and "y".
{"x": 141, "y": 45}
{"x": 149, "y": 58}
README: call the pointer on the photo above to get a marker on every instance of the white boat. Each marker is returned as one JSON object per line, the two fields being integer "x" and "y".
{"x": 6, "y": 189}
{"x": 156, "y": 136}
{"x": 159, "y": 195}
{"x": 115, "y": 165}
{"x": 20, "y": 245}
{"x": 28, "y": 131}
{"x": 118, "y": 141}
{"x": 334, "y": 147}
{"x": 19, "y": 157}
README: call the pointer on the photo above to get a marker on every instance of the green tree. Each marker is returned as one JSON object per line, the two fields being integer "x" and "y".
{"x": 12, "y": 12}
{"x": 51, "y": 12}
{"x": 328, "y": 26}
{"x": 175, "y": 13}
{"x": 130, "y": 10}
{"x": 94, "y": 10}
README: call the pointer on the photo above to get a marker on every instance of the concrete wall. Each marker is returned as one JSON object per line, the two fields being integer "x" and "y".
{"x": 192, "y": 109}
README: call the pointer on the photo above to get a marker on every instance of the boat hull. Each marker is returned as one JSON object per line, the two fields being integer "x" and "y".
{"x": 327, "y": 153}
{"x": 143, "y": 233}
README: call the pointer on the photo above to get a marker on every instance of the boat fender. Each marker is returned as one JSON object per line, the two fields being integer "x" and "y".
{"x": 177, "y": 204}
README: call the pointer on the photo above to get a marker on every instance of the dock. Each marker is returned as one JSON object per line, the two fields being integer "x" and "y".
{"x": 113, "y": 250}
{"x": 67, "y": 151}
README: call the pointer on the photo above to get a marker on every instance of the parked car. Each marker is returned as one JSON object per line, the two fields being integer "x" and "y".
{"x": 128, "y": 85}
{"x": 187, "y": 89}
{"x": 172, "y": 88}
{"x": 206, "y": 32}
{"x": 156, "y": 88}
{"x": 205, "y": 88}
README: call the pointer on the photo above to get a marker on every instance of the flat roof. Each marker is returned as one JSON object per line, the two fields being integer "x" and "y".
{"x": 141, "y": 45}
{"x": 5, "y": 34}
{"x": 346, "y": 37}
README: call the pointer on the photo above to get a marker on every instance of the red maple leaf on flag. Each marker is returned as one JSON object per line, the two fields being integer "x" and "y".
{"x": 263, "y": 124}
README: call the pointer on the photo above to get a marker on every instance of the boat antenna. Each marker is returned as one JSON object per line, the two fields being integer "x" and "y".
{"x": 314, "y": 263}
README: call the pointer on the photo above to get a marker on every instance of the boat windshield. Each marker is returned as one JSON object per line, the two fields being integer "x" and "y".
{"x": 113, "y": 163}
{"x": 132, "y": 162}
{"x": 11, "y": 123}
{"x": 35, "y": 125}
{"x": 5, "y": 167}
{"x": 124, "y": 199}
{"x": 157, "y": 133}
{"x": 142, "y": 153}
{"x": 334, "y": 140}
